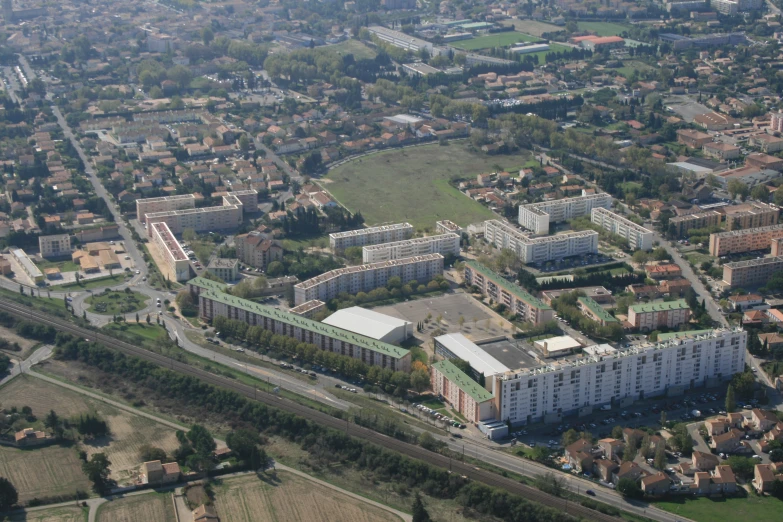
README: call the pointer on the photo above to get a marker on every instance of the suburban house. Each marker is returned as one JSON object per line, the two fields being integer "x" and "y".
{"x": 656, "y": 485}
{"x": 612, "y": 448}
{"x": 717, "y": 426}
{"x": 153, "y": 472}
{"x": 739, "y": 303}
{"x": 28, "y": 437}
{"x": 579, "y": 455}
{"x": 720, "y": 481}
{"x": 604, "y": 468}
{"x": 704, "y": 461}
{"x": 727, "y": 442}
{"x": 629, "y": 470}
{"x": 205, "y": 513}
{"x": 763, "y": 477}
{"x": 762, "y": 420}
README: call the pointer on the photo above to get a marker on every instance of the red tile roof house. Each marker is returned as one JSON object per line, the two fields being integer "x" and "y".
{"x": 762, "y": 420}
{"x": 29, "y": 437}
{"x": 702, "y": 461}
{"x": 629, "y": 470}
{"x": 656, "y": 485}
{"x": 612, "y": 448}
{"x": 579, "y": 455}
{"x": 763, "y": 477}
{"x": 604, "y": 468}
{"x": 721, "y": 481}
{"x": 727, "y": 442}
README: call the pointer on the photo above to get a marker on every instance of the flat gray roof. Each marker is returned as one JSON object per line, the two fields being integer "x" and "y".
{"x": 467, "y": 350}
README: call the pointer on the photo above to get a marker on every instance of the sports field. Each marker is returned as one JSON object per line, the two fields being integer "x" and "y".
{"x": 532, "y": 27}
{"x": 291, "y": 499}
{"x": 602, "y": 28}
{"x": 493, "y": 40}
{"x": 354, "y": 47}
{"x": 412, "y": 184}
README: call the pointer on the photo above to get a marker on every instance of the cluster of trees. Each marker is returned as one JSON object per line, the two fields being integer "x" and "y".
{"x": 196, "y": 448}
{"x": 302, "y": 265}
{"x": 97, "y": 471}
{"x": 566, "y": 306}
{"x": 91, "y": 425}
{"x": 605, "y": 279}
{"x": 259, "y": 339}
{"x": 37, "y": 331}
{"x": 5, "y": 362}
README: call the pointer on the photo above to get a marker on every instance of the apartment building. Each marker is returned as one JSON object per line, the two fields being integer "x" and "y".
{"x": 364, "y": 278}
{"x": 213, "y": 302}
{"x": 465, "y": 395}
{"x": 224, "y": 268}
{"x": 58, "y": 245}
{"x": 680, "y": 225}
{"x": 226, "y": 217}
{"x": 751, "y": 215}
{"x": 538, "y": 216}
{"x": 737, "y": 241}
{"x": 516, "y": 299}
{"x": 595, "y": 311}
{"x": 445, "y": 226}
{"x": 754, "y": 272}
{"x": 776, "y": 247}
{"x": 733, "y": 7}
{"x": 638, "y": 237}
{"x": 164, "y": 204}
{"x": 256, "y": 249}
{"x": 339, "y": 241}
{"x": 720, "y": 150}
{"x": 443, "y": 244}
{"x": 173, "y": 255}
{"x": 248, "y": 198}
{"x": 649, "y": 316}
{"x": 604, "y": 375}
{"x": 540, "y": 249}
{"x": 693, "y": 138}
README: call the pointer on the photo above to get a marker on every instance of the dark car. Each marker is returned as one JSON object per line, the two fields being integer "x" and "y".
{"x": 590, "y": 492}
{"x": 337, "y": 386}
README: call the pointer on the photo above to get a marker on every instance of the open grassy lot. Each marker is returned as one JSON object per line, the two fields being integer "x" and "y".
{"x": 553, "y": 48}
{"x": 43, "y": 472}
{"x": 25, "y": 344}
{"x": 149, "y": 332}
{"x": 354, "y": 47}
{"x": 412, "y": 184}
{"x": 113, "y": 302}
{"x": 602, "y": 28}
{"x": 533, "y": 27}
{"x": 57, "y": 514}
{"x": 697, "y": 258}
{"x": 292, "y": 499}
{"x": 42, "y": 397}
{"x": 493, "y": 40}
{"x": 629, "y": 66}
{"x": 98, "y": 282}
{"x": 64, "y": 266}
{"x": 139, "y": 508}
{"x": 701, "y": 509}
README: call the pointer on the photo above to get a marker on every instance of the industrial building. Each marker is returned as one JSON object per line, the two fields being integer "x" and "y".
{"x": 538, "y": 216}
{"x": 750, "y": 273}
{"x": 516, "y": 299}
{"x": 371, "y": 324}
{"x": 457, "y": 346}
{"x": 364, "y": 278}
{"x": 540, "y": 249}
{"x": 402, "y": 40}
{"x": 213, "y": 302}
{"x": 637, "y": 236}
{"x": 27, "y": 265}
{"x": 443, "y": 244}
{"x": 339, "y": 241}
{"x": 171, "y": 251}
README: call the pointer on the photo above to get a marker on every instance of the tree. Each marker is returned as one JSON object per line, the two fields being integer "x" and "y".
{"x": 97, "y": 470}
{"x": 629, "y": 488}
{"x": 569, "y": 437}
{"x": 660, "y": 456}
{"x": 419, "y": 512}
{"x": 741, "y": 466}
{"x": 663, "y": 417}
{"x": 761, "y": 193}
{"x": 640, "y": 257}
{"x": 207, "y": 35}
{"x": 242, "y": 442}
{"x": 244, "y": 143}
{"x": 148, "y": 453}
{"x": 738, "y": 188}
{"x": 275, "y": 269}
{"x": 731, "y": 401}
{"x": 420, "y": 380}
{"x": 8, "y": 494}
{"x": 617, "y": 432}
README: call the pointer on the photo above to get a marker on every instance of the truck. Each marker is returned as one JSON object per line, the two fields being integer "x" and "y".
{"x": 606, "y": 407}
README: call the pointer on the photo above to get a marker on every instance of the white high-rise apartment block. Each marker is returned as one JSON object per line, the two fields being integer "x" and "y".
{"x": 339, "y": 241}
{"x": 164, "y": 204}
{"x": 540, "y": 249}
{"x": 603, "y": 374}
{"x": 444, "y": 244}
{"x": 364, "y": 278}
{"x": 171, "y": 251}
{"x": 538, "y": 216}
{"x": 637, "y": 236}
{"x": 225, "y": 217}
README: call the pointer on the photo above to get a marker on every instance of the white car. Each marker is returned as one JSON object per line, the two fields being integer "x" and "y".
{"x": 138, "y": 271}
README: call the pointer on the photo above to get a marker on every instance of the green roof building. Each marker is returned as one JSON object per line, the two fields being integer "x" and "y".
{"x": 595, "y": 311}
{"x": 464, "y": 394}
{"x": 649, "y": 316}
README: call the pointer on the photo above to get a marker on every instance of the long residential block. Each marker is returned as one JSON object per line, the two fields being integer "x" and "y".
{"x": 605, "y": 375}
{"x": 538, "y": 216}
{"x": 529, "y": 308}
{"x": 339, "y": 241}
{"x": 540, "y": 249}
{"x": 649, "y": 316}
{"x": 637, "y": 236}
{"x": 464, "y": 394}
{"x": 751, "y": 215}
{"x": 680, "y": 225}
{"x": 213, "y": 302}
{"x": 364, "y": 278}
{"x": 738, "y": 241}
{"x": 225, "y": 217}
{"x": 754, "y": 272}
{"x": 164, "y": 204}
{"x": 170, "y": 250}
{"x": 444, "y": 244}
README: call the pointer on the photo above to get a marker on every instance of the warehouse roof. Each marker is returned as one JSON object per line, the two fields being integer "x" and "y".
{"x": 365, "y": 322}
{"x": 462, "y": 381}
{"x": 463, "y": 348}
{"x": 660, "y": 306}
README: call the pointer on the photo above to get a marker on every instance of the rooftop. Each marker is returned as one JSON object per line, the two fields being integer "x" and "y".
{"x": 597, "y": 309}
{"x": 365, "y": 322}
{"x": 754, "y": 262}
{"x": 363, "y": 268}
{"x": 659, "y": 306}
{"x": 414, "y": 241}
{"x": 168, "y": 239}
{"x": 463, "y": 348}
{"x": 680, "y": 335}
{"x": 370, "y": 230}
{"x": 462, "y": 381}
{"x": 222, "y": 262}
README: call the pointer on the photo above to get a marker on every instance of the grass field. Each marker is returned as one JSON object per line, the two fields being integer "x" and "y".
{"x": 98, "y": 282}
{"x": 493, "y": 40}
{"x": 413, "y": 184}
{"x": 113, "y": 302}
{"x": 64, "y": 266}
{"x": 553, "y": 48}
{"x": 697, "y": 258}
{"x": 141, "y": 508}
{"x": 602, "y": 28}
{"x": 292, "y": 499}
{"x": 57, "y": 514}
{"x": 764, "y": 509}
{"x": 532, "y": 27}
{"x": 629, "y": 66}
{"x": 43, "y": 472}
{"x": 354, "y": 47}
{"x": 149, "y": 332}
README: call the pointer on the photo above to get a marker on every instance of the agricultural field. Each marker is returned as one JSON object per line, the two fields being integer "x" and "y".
{"x": 139, "y": 508}
{"x": 291, "y": 499}
{"x": 553, "y": 48}
{"x": 603, "y": 28}
{"x": 49, "y": 471}
{"x": 533, "y": 27}
{"x": 113, "y": 302}
{"x": 42, "y": 397}
{"x": 412, "y": 184}
{"x": 354, "y": 47}
{"x": 493, "y": 40}
{"x": 57, "y": 514}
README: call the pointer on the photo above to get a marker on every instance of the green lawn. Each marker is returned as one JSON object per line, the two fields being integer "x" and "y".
{"x": 113, "y": 303}
{"x": 493, "y": 40}
{"x": 98, "y": 282}
{"x": 553, "y": 48}
{"x": 697, "y": 258}
{"x": 602, "y": 28}
{"x": 64, "y": 266}
{"x": 629, "y": 66}
{"x": 354, "y": 47}
{"x": 150, "y": 332}
{"x": 760, "y": 509}
{"x": 412, "y": 184}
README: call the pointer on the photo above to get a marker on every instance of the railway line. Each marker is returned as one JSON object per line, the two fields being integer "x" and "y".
{"x": 270, "y": 399}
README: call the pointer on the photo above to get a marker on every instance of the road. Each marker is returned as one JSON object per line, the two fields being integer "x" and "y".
{"x": 19, "y": 367}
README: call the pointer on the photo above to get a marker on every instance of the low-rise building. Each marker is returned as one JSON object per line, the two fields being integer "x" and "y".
{"x": 465, "y": 395}
{"x": 721, "y": 150}
{"x": 309, "y": 309}
{"x": 664, "y": 271}
{"x": 742, "y": 302}
{"x": 32, "y": 271}
{"x": 154, "y": 472}
{"x": 257, "y": 250}
{"x": 727, "y": 442}
{"x": 649, "y": 316}
{"x": 763, "y": 477}
{"x": 693, "y": 138}
{"x": 595, "y": 311}
{"x": 224, "y": 268}
{"x": 29, "y": 437}
{"x": 656, "y": 485}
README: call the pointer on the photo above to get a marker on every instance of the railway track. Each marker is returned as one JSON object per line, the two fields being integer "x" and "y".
{"x": 270, "y": 399}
